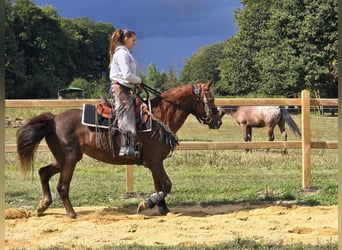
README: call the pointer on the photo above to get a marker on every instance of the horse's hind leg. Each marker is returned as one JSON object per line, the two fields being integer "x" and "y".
{"x": 63, "y": 188}
{"x": 283, "y": 132}
{"x": 45, "y": 174}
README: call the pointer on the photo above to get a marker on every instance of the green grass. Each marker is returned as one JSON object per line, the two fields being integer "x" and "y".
{"x": 221, "y": 178}
{"x": 198, "y": 177}
{"x": 237, "y": 244}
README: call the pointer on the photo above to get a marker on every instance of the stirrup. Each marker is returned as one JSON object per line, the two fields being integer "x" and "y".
{"x": 129, "y": 153}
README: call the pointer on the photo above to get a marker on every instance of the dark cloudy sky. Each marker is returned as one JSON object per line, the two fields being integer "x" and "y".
{"x": 168, "y": 31}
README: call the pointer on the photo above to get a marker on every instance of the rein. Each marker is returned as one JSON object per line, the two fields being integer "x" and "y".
{"x": 150, "y": 89}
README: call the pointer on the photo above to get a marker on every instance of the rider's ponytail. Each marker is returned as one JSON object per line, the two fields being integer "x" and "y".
{"x": 118, "y": 38}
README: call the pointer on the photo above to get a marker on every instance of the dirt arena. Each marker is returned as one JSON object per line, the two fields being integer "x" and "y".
{"x": 96, "y": 227}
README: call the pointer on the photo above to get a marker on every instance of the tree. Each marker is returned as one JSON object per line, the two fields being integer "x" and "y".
{"x": 169, "y": 79}
{"x": 278, "y": 62}
{"x": 14, "y": 58}
{"x": 317, "y": 37}
{"x": 239, "y": 75}
{"x": 281, "y": 48}
{"x": 153, "y": 78}
{"x": 301, "y": 51}
{"x": 203, "y": 65}
{"x": 89, "y": 46}
{"x": 38, "y": 43}
{"x": 44, "y": 52}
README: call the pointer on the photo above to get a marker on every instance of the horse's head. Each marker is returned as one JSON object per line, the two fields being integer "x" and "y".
{"x": 205, "y": 109}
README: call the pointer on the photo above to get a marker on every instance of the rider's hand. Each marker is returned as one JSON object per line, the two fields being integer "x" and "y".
{"x": 138, "y": 86}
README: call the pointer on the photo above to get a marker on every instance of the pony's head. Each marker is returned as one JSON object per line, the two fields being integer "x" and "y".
{"x": 205, "y": 109}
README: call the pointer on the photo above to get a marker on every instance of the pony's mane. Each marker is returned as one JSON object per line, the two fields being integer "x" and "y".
{"x": 230, "y": 109}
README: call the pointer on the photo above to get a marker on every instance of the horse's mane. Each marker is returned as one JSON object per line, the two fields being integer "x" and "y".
{"x": 230, "y": 109}
{"x": 176, "y": 92}
{"x": 170, "y": 95}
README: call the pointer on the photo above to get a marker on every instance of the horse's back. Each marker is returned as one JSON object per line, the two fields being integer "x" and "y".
{"x": 258, "y": 116}
{"x": 75, "y": 112}
{"x": 68, "y": 120}
{"x": 271, "y": 114}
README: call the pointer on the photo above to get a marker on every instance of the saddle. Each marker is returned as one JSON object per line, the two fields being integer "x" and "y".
{"x": 102, "y": 115}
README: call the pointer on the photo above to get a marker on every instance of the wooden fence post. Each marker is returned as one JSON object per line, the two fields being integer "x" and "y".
{"x": 306, "y": 140}
{"x": 129, "y": 179}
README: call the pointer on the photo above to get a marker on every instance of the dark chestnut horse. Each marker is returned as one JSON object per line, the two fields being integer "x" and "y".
{"x": 261, "y": 116}
{"x": 68, "y": 140}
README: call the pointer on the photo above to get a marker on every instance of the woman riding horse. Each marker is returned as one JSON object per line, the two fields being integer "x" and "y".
{"x": 68, "y": 139}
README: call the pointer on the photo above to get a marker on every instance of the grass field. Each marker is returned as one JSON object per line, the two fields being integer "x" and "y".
{"x": 202, "y": 177}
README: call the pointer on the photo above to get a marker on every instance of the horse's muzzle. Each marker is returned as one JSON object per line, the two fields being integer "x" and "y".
{"x": 215, "y": 124}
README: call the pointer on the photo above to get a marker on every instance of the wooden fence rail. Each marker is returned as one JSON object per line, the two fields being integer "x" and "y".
{"x": 305, "y": 144}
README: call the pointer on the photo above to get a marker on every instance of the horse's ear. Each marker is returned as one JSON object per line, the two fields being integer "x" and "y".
{"x": 210, "y": 83}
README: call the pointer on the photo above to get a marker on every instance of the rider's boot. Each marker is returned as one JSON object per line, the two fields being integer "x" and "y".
{"x": 127, "y": 148}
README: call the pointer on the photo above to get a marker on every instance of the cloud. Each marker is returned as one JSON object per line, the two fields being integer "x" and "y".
{"x": 156, "y": 18}
{"x": 168, "y": 31}
{"x": 176, "y": 18}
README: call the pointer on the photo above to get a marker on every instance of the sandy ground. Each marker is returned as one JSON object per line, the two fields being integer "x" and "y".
{"x": 186, "y": 226}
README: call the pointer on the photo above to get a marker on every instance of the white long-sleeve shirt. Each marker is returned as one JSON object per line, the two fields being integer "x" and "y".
{"x": 123, "y": 68}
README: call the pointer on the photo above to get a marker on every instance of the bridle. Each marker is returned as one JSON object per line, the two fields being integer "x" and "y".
{"x": 208, "y": 111}
{"x": 199, "y": 100}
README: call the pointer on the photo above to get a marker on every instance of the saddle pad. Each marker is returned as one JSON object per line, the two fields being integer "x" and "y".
{"x": 92, "y": 119}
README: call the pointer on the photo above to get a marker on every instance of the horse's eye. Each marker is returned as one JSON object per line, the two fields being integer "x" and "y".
{"x": 214, "y": 110}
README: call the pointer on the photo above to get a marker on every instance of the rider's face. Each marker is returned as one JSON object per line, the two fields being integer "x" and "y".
{"x": 130, "y": 42}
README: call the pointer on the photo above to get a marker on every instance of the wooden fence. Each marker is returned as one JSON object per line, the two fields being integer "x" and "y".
{"x": 305, "y": 144}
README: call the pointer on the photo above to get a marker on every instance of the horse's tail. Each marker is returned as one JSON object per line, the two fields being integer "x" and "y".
{"x": 290, "y": 121}
{"x": 29, "y": 136}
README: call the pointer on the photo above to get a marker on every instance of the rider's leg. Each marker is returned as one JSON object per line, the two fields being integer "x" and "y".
{"x": 124, "y": 108}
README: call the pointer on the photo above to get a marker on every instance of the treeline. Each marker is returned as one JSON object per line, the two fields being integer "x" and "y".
{"x": 45, "y": 53}
{"x": 281, "y": 47}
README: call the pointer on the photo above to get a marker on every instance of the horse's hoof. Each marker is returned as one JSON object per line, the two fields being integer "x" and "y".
{"x": 43, "y": 205}
{"x": 39, "y": 212}
{"x": 72, "y": 215}
{"x": 163, "y": 210}
{"x": 142, "y": 206}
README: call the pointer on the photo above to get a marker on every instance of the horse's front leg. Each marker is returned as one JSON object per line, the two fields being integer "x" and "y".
{"x": 162, "y": 207}
{"x": 158, "y": 199}
{"x": 247, "y": 134}
{"x": 162, "y": 185}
